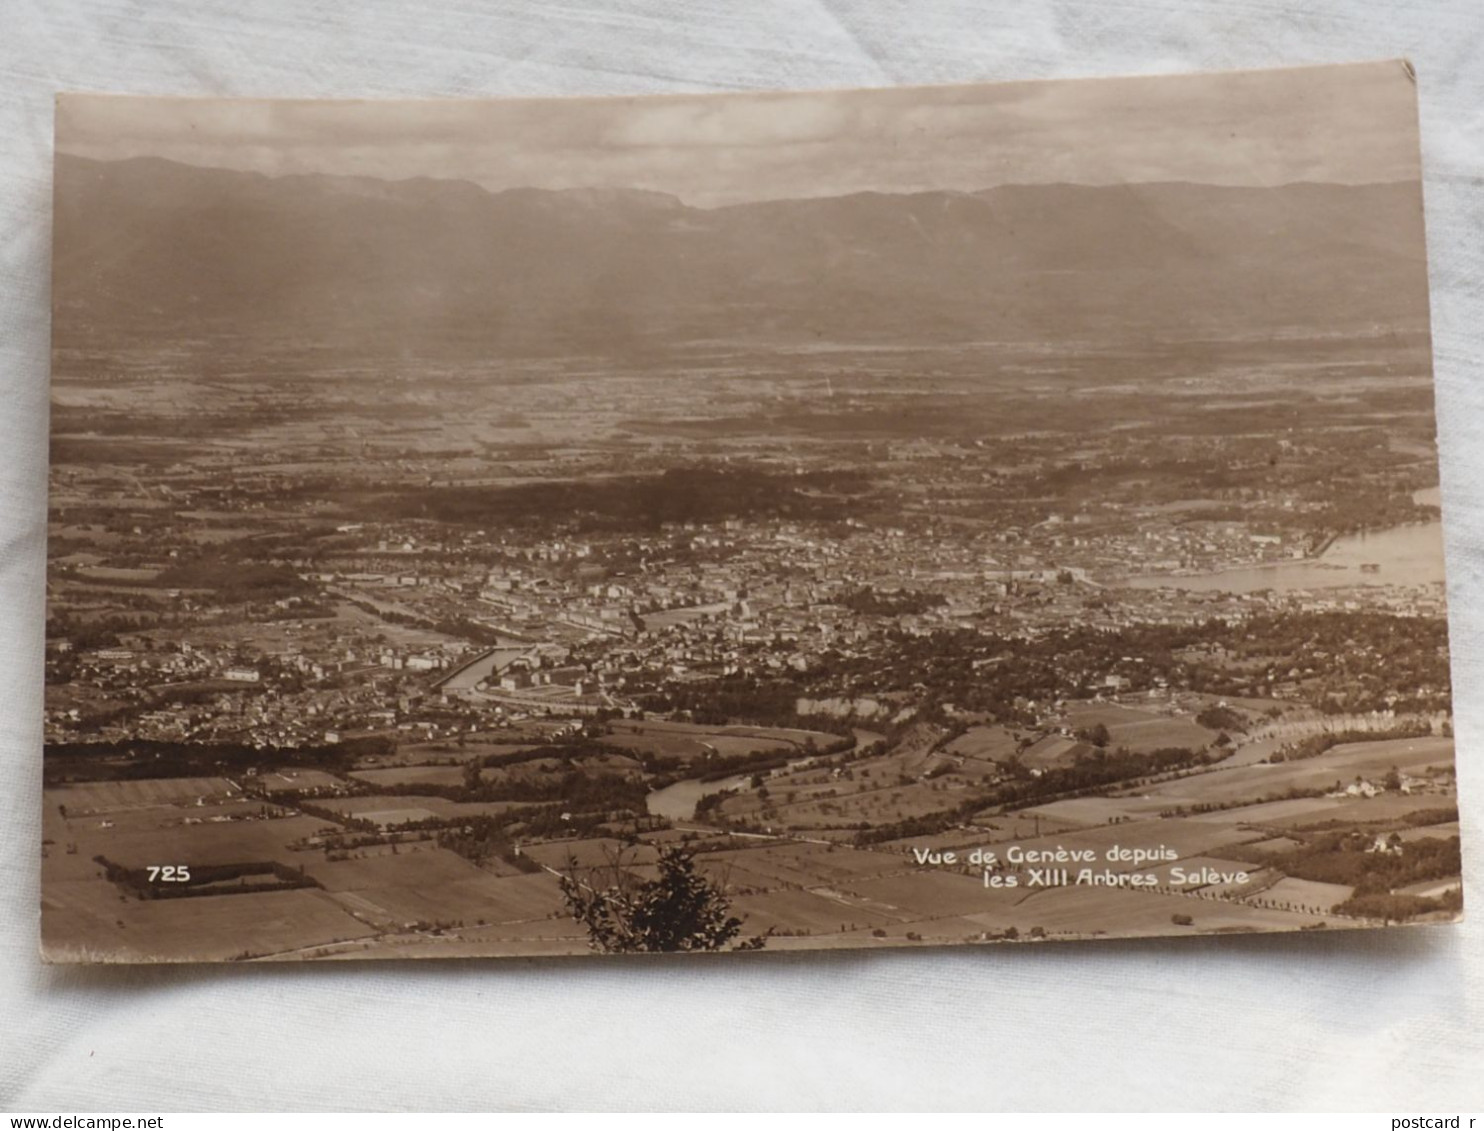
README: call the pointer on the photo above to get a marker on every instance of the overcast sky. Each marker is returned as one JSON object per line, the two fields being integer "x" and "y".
{"x": 1351, "y": 124}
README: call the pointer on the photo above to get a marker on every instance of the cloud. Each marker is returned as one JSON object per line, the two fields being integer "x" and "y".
{"x": 1340, "y": 123}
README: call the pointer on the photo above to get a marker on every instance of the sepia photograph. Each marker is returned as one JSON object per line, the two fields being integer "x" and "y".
{"x": 871, "y": 519}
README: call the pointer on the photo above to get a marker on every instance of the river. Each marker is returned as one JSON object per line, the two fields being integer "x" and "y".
{"x": 1402, "y": 555}
{"x": 678, "y": 802}
{"x": 482, "y": 667}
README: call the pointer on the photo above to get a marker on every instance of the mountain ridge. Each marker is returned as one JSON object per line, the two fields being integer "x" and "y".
{"x": 151, "y": 245}
{"x": 63, "y": 158}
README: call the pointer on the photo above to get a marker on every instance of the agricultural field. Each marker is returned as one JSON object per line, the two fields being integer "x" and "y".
{"x": 1186, "y": 838}
{"x": 1235, "y": 886}
{"x": 1432, "y": 889}
{"x": 209, "y": 928}
{"x": 1270, "y": 847}
{"x": 1053, "y": 750}
{"x": 804, "y": 803}
{"x": 1308, "y": 894}
{"x": 388, "y": 810}
{"x": 783, "y": 864}
{"x": 923, "y": 894}
{"x": 595, "y": 853}
{"x": 469, "y": 749}
{"x": 386, "y": 813}
{"x": 394, "y": 776}
{"x": 1440, "y": 831}
{"x": 808, "y": 912}
{"x": 476, "y": 901}
{"x": 986, "y": 743}
{"x": 1386, "y": 808}
{"x": 1159, "y": 734}
{"x": 1293, "y": 812}
{"x": 420, "y": 867}
{"x": 781, "y": 843}
{"x": 273, "y": 781}
{"x": 1083, "y": 912}
{"x": 1139, "y": 729}
{"x": 693, "y": 742}
{"x": 1082, "y": 811}
{"x": 86, "y": 799}
{"x": 1337, "y": 766}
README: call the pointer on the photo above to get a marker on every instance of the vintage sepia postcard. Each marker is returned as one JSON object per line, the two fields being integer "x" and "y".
{"x": 779, "y": 521}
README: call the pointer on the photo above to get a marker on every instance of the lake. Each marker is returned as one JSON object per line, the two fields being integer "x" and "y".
{"x": 1402, "y": 555}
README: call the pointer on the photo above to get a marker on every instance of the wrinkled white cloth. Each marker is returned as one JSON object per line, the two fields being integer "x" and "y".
{"x": 1380, "y": 1020}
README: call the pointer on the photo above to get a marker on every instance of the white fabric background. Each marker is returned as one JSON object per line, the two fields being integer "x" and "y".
{"x": 1376, "y": 1020}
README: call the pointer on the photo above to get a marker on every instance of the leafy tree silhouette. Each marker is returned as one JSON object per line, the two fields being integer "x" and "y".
{"x": 678, "y": 910}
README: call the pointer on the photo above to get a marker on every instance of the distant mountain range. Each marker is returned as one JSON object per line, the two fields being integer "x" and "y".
{"x": 151, "y": 247}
